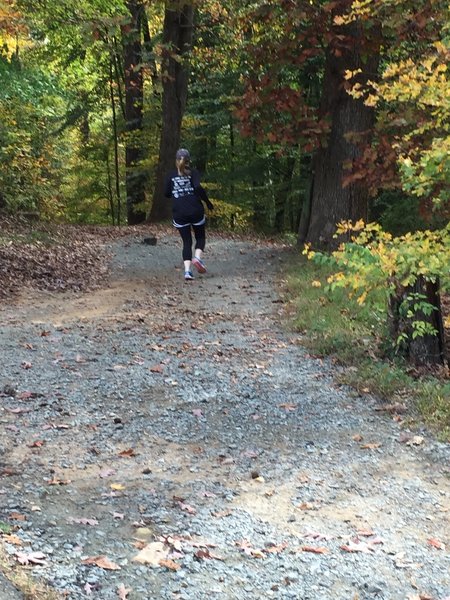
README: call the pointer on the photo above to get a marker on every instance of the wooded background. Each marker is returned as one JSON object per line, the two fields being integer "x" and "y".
{"x": 300, "y": 115}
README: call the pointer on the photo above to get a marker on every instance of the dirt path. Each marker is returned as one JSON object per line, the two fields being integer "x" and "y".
{"x": 182, "y": 418}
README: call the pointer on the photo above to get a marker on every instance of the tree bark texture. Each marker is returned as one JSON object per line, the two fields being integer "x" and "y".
{"x": 427, "y": 349}
{"x": 177, "y": 40}
{"x": 330, "y": 201}
{"x": 134, "y": 100}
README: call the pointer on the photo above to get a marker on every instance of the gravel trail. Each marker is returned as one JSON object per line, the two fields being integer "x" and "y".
{"x": 163, "y": 440}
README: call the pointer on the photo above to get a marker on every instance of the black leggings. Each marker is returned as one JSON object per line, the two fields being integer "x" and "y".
{"x": 186, "y": 236}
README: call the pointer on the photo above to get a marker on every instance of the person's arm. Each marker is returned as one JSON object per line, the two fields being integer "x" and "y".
{"x": 200, "y": 190}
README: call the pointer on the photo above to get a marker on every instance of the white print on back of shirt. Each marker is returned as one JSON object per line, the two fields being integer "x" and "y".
{"x": 182, "y": 186}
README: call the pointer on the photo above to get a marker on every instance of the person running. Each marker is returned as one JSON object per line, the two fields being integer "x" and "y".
{"x": 183, "y": 186}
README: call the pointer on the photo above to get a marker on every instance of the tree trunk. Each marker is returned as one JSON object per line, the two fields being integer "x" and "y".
{"x": 425, "y": 349}
{"x": 331, "y": 202}
{"x": 134, "y": 99}
{"x": 177, "y": 39}
{"x": 283, "y": 188}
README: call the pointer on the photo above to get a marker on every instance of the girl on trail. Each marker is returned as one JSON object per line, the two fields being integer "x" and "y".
{"x": 183, "y": 186}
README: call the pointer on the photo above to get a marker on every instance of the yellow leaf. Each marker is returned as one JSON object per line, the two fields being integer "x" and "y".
{"x": 117, "y": 486}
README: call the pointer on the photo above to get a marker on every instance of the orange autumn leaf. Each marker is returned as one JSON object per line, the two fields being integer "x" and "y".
{"x": 436, "y": 543}
{"x": 101, "y": 561}
{"x": 127, "y": 453}
{"x": 169, "y": 564}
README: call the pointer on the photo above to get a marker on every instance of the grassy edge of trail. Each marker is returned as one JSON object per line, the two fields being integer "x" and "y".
{"x": 351, "y": 336}
{"x": 20, "y": 580}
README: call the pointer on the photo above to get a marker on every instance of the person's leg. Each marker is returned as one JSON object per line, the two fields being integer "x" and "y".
{"x": 200, "y": 241}
{"x": 186, "y": 236}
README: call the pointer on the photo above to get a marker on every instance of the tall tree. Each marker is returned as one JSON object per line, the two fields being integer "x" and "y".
{"x": 134, "y": 101}
{"x": 352, "y": 48}
{"x": 177, "y": 40}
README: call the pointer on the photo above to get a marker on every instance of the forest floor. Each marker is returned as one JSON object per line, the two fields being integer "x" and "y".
{"x": 164, "y": 440}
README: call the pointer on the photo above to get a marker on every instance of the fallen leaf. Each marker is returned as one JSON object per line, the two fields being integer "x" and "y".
{"x": 12, "y": 539}
{"x": 436, "y": 543}
{"x": 157, "y": 369}
{"x": 152, "y": 554}
{"x": 206, "y": 554}
{"x": 276, "y": 549}
{"x": 123, "y": 592}
{"x": 315, "y": 549}
{"x": 127, "y": 453}
{"x": 15, "y": 516}
{"x": 169, "y": 564}
{"x": 102, "y": 562}
{"x": 36, "y": 444}
{"x": 117, "y": 486}
{"x": 119, "y": 516}
{"x": 370, "y": 446}
{"x": 56, "y": 481}
{"x": 197, "y": 412}
{"x": 365, "y": 532}
{"x": 25, "y": 364}
{"x": 31, "y": 558}
{"x": 358, "y": 437}
{"x": 288, "y": 406}
{"x": 187, "y": 508}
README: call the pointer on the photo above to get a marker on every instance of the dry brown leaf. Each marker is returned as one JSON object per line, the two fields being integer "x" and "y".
{"x": 370, "y": 446}
{"x": 157, "y": 369}
{"x": 56, "y": 481}
{"x": 101, "y": 561}
{"x": 358, "y": 437}
{"x": 169, "y": 564}
{"x": 12, "y": 539}
{"x": 315, "y": 549}
{"x": 127, "y": 453}
{"x": 15, "y": 516}
{"x": 207, "y": 554}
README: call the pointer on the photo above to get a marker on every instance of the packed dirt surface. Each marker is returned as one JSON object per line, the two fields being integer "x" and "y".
{"x": 172, "y": 440}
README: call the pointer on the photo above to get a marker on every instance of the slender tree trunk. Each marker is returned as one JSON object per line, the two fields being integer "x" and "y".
{"x": 330, "y": 201}
{"x": 282, "y": 194}
{"x": 110, "y": 190}
{"x": 116, "y": 145}
{"x": 134, "y": 99}
{"x": 177, "y": 39}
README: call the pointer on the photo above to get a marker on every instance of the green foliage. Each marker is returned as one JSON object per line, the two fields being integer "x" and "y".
{"x": 375, "y": 266}
{"x": 229, "y": 217}
{"x": 353, "y": 336}
{"x": 30, "y": 156}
